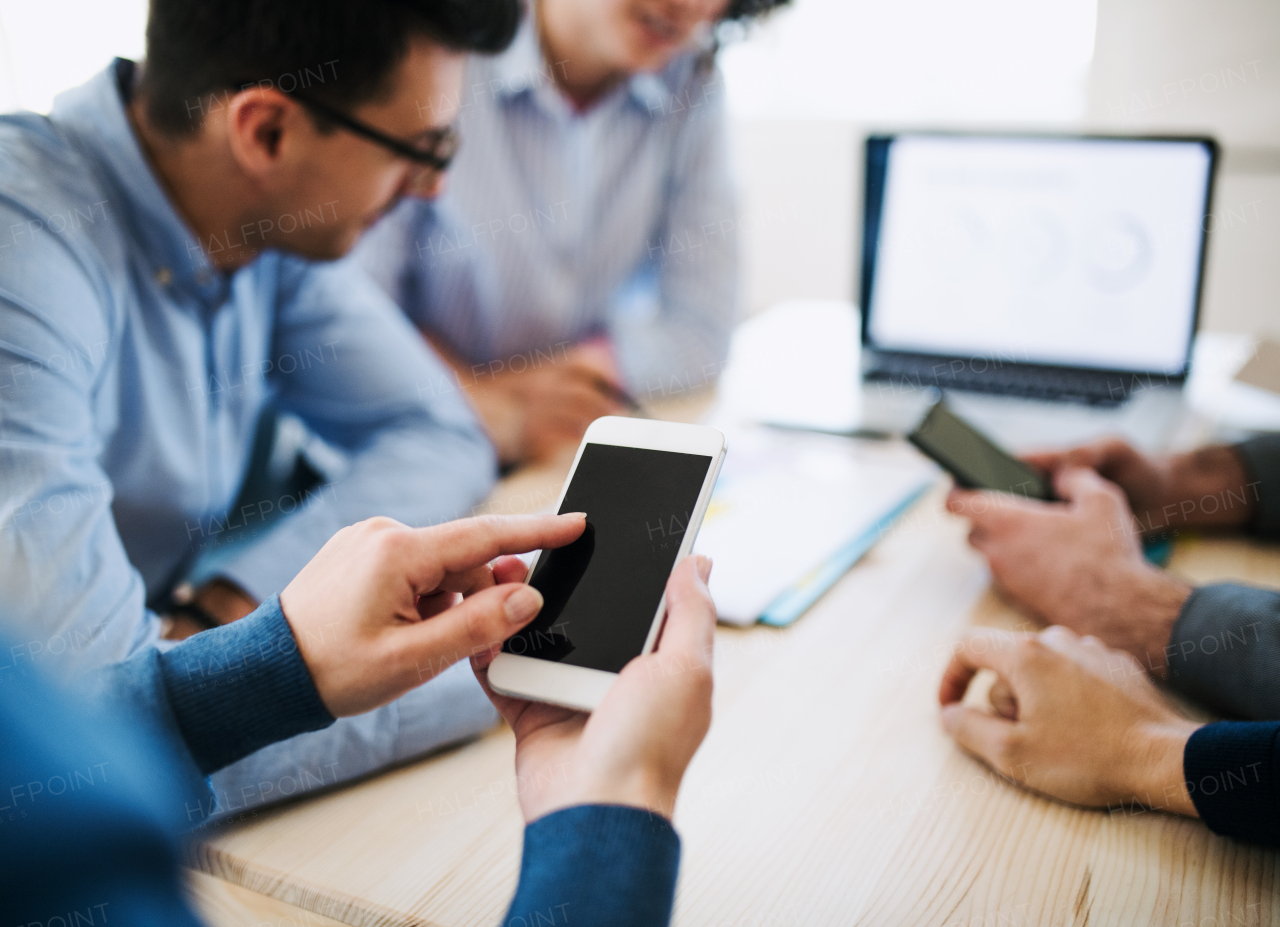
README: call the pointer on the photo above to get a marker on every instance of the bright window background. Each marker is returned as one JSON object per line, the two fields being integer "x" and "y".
{"x": 937, "y": 61}
{"x": 47, "y": 46}
{"x": 918, "y": 61}
{"x": 802, "y": 88}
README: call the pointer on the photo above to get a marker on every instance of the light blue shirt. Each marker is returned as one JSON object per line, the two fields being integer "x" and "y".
{"x": 557, "y": 226}
{"x": 132, "y": 374}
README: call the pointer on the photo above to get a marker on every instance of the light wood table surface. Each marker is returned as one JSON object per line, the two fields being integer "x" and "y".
{"x": 825, "y": 793}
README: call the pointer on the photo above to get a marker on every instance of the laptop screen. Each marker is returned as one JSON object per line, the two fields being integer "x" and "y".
{"x": 1077, "y": 252}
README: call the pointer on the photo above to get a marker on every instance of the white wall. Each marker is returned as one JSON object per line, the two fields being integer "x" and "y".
{"x": 47, "y": 46}
{"x": 1195, "y": 66}
{"x": 1158, "y": 65}
{"x": 805, "y": 88}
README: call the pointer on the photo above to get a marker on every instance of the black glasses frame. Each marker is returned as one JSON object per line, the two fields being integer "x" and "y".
{"x": 444, "y": 141}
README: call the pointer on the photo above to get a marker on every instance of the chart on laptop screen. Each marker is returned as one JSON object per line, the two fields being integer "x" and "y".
{"x": 1071, "y": 251}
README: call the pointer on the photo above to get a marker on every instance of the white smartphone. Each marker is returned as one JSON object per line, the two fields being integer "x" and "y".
{"x": 645, "y": 486}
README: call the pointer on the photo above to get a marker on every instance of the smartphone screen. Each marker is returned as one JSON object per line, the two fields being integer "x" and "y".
{"x": 970, "y": 457}
{"x": 602, "y": 591}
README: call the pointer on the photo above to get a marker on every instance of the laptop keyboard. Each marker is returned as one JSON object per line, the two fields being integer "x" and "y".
{"x": 1048, "y": 383}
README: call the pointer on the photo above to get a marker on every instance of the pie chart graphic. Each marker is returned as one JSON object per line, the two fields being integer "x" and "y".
{"x": 1117, "y": 253}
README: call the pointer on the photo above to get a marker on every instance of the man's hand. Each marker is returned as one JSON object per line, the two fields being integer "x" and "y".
{"x": 1206, "y": 488}
{"x": 1077, "y": 564}
{"x": 1076, "y": 721}
{"x": 535, "y": 412}
{"x": 634, "y": 748}
{"x": 531, "y": 415}
{"x": 376, "y": 611}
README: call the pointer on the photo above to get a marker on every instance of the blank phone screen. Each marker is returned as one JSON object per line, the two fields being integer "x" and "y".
{"x": 602, "y": 591}
{"x": 972, "y": 459}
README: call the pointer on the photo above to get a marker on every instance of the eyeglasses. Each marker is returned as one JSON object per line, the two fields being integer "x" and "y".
{"x": 436, "y": 150}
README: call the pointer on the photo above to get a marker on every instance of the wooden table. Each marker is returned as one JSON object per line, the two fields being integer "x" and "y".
{"x": 825, "y": 793}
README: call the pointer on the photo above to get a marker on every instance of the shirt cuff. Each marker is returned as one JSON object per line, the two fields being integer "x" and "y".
{"x": 1230, "y": 768}
{"x": 1261, "y": 460}
{"x": 237, "y": 688}
{"x": 597, "y": 864}
{"x": 1224, "y": 648}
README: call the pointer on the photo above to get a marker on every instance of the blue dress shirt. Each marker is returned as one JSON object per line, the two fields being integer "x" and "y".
{"x": 132, "y": 374}
{"x": 558, "y": 226}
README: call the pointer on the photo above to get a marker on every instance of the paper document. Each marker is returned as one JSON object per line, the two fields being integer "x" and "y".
{"x": 791, "y": 512}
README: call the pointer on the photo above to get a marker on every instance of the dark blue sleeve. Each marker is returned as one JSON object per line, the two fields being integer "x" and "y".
{"x": 217, "y": 697}
{"x": 237, "y": 688}
{"x": 1233, "y": 774}
{"x": 604, "y": 865}
{"x": 1224, "y": 650}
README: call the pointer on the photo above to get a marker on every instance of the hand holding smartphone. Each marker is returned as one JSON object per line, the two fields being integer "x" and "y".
{"x": 973, "y": 459}
{"x": 644, "y": 486}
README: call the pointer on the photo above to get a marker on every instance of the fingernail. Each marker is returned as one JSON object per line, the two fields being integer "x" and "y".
{"x": 702, "y": 563}
{"x": 573, "y": 514}
{"x": 523, "y": 604}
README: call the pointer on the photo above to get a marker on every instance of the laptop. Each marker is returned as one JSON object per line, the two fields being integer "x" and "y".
{"x": 1050, "y": 285}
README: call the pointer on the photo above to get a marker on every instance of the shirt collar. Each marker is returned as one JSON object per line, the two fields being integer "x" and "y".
{"x": 95, "y": 113}
{"x": 522, "y": 69}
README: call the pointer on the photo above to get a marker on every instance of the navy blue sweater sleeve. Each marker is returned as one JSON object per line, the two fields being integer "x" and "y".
{"x": 216, "y": 697}
{"x": 237, "y": 688}
{"x": 604, "y": 865}
{"x": 1233, "y": 774}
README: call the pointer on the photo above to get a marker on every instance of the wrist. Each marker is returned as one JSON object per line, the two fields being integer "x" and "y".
{"x": 1156, "y": 602}
{"x": 642, "y": 789}
{"x": 1154, "y": 771}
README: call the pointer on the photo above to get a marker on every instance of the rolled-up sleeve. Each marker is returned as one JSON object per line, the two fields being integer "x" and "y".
{"x": 371, "y": 387}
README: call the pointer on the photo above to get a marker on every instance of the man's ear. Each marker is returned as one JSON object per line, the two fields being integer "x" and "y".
{"x": 258, "y": 123}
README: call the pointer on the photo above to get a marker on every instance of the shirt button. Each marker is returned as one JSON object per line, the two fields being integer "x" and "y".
{"x": 164, "y": 276}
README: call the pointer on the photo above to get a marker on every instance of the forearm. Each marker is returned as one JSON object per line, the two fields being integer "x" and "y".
{"x": 597, "y": 864}
{"x": 1232, "y": 771}
{"x": 669, "y": 357}
{"x": 1151, "y": 602}
{"x": 420, "y": 473}
{"x": 1152, "y": 768}
{"x": 1224, "y": 650}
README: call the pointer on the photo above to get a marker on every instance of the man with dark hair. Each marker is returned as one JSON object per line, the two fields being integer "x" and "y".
{"x": 158, "y": 292}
